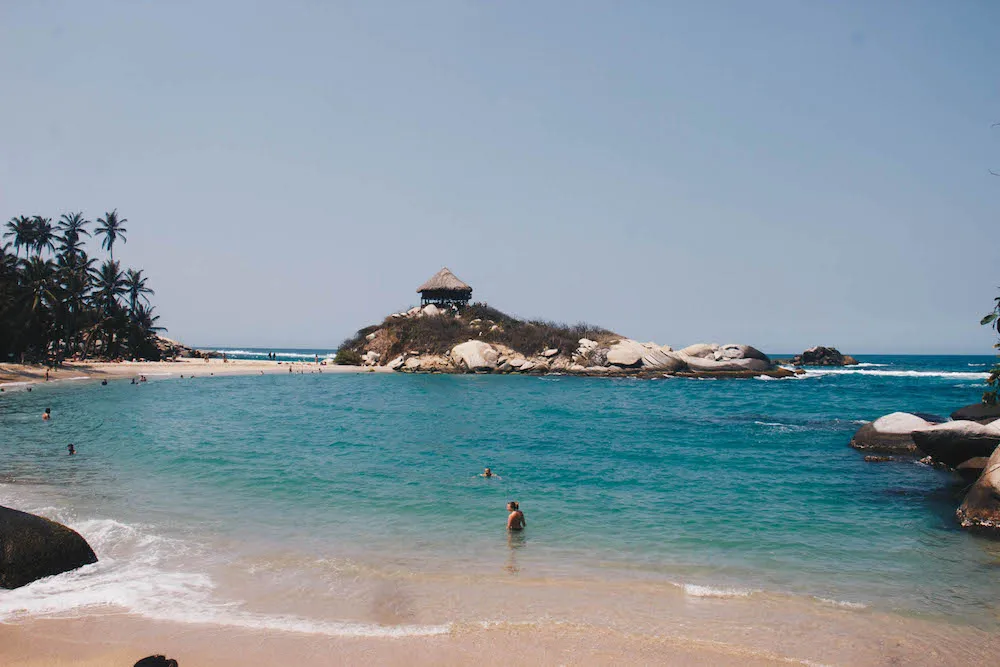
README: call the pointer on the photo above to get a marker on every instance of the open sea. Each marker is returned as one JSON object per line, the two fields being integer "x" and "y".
{"x": 351, "y": 503}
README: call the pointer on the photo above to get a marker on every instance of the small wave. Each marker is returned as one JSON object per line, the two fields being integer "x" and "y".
{"x": 696, "y": 591}
{"x": 975, "y": 365}
{"x": 842, "y": 603}
{"x": 868, "y": 364}
{"x": 952, "y": 375}
{"x": 135, "y": 573}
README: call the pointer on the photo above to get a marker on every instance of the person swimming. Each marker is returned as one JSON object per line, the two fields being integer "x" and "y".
{"x": 487, "y": 473}
{"x": 47, "y": 414}
{"x": 104, "y": 383}
{"x": 515, "y": 520}
{"x": 71, "y": 448}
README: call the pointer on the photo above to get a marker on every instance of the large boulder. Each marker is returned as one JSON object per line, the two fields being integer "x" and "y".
{"x": 970, "y": 470}
{"x": 702, "y": 365}
{"x": 32, "y": 547}
{"x": 735, "y": 351}
{"x": 626, "y": 353}
{"x": 890, "y": 434}
{"x": 981, "y": 509}
{"x": 430, "y": 310}
{"x": 978, "y": 412}
{"x": 474, "y": 355}
{"x": 661, "y": 358}
{"x": 953, "y": 442}
{"x": 823, "y": 356}
{"x": 701, "y": 350}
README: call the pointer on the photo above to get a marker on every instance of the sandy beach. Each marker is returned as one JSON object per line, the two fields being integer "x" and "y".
{"x": 20, "y": 374}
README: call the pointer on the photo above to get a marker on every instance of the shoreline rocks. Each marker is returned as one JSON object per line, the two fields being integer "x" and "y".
{"x": 983, "y": 413}
{"x": 823, "y": 356}
{"x": 953, "y": 442}
{"x": 981, "y": 508}
{"x": 33, "y": 547}
{"x": 891, "y": 434}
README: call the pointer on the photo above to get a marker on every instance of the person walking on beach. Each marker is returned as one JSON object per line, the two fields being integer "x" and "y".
{"x": 47, "y": 414}
{"x": 515, "y": 520}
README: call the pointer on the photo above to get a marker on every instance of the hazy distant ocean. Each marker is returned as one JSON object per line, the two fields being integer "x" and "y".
{"x": 346, "y": 504}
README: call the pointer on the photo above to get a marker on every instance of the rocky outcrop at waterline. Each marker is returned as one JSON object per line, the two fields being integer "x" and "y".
{"x": 891, "y": 434}
{"x": 480, "y": 339}
{"x": 970, "y": 449}
{"x": 822, "y": 356}
{"x": 981, "y": 508}
{"x": 983, "y": 413}
{"x": 32, "y": 547}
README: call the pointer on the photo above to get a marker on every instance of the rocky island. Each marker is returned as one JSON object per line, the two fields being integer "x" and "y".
{"x": 448, "y": 334}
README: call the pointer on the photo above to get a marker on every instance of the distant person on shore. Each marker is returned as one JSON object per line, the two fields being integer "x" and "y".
{"x": 71, "y": 448}
{"x": 47, "y": 415}
{"x": 225, "y": 359}
{"x": 317, "y": 358}
{"x": 46, "y": 375}
{"x": 515, "y": 520}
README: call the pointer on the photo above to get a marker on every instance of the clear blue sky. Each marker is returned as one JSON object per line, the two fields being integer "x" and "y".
{"x": 777, "y": 173}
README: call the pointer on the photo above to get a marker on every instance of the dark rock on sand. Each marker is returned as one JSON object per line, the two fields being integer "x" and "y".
{"x": 970, "y": 470}
{"x": 981, "y": 509}
{"x": 32, "y": 547}
{"x": 978, "y": 412}
{"x": 952, "y": 443}
{"x": 890, "y": 434}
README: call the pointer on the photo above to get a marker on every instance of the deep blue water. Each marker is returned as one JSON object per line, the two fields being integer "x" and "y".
{"x": 745, "y": 483}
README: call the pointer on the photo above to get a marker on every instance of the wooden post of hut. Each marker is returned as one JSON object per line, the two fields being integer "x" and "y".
{"x": 445, "y": 289}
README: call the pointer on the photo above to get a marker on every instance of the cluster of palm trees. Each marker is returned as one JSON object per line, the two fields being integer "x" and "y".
{"x": 56, "y": 302}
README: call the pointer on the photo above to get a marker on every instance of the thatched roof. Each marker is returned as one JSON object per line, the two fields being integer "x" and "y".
{"x": 444, "y": 280}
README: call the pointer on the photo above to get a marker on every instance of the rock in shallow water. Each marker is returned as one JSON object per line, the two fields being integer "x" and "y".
{"x": 890, "y": 434}
{"x": 32, "y": 547}
{"x": 981, "y": 509}
{"x": 978, "y": 412}
{"x": 953, "y": 442}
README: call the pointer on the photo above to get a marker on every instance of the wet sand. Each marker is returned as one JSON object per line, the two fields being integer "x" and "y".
{"x": 76, "y": 370}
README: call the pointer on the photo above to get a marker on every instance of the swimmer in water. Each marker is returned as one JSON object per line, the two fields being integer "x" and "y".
{"x": 515, "y": 520}
{"x": 487, "y": 473}
{"x": 47, "y": 414}
{"x": 72, "y": 449}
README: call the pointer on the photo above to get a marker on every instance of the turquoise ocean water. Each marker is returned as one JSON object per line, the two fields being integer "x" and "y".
{"x": 189, "y": 489}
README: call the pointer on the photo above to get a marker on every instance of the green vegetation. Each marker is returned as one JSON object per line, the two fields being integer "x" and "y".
{"x": 992, "y": 319}
{"x": 437, "y": 335}
{"x": 56, "y": 302}
{"x": 347, "y": 357}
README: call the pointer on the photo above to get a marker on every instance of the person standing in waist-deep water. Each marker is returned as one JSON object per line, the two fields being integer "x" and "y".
{"x": 47, "y": 414}
{"x": 72, "y": 449}
{"x": 515, "y": 520}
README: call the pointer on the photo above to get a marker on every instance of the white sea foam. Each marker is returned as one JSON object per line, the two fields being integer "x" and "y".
{"x": 953, "y": 375}
{"x": 137, "y": 573}
{"x": 842, "y": 603}
{"x": 696, "y": 591}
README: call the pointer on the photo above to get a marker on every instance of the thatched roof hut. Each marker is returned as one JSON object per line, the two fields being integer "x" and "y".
{"x": 444, "y": 287}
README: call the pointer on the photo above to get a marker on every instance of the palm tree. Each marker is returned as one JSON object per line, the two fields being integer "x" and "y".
{"x": 73, "y": 226}
{"x": 22, "y": 230}
{"x": 108, "y": 286}
{"x": 111, "y": 228}
{"x": 44, "y": 236}
{"x": 135, "y": 285}
{"x": 38, "y": 298}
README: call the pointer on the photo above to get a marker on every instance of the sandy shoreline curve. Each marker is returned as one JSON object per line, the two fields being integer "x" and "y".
{"x": 20, "y": 374}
